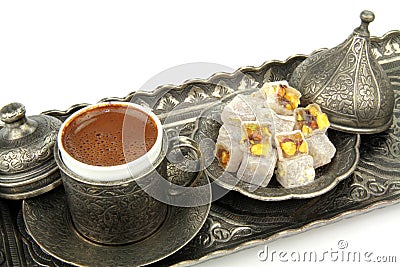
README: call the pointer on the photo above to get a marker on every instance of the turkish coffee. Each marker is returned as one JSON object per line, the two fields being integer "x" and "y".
{"x": 109, "y": 135}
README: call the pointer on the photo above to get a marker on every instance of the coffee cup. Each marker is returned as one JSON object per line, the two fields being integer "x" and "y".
{"x": 111, "y": 155}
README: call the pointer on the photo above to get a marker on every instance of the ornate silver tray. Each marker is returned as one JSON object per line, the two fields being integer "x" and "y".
{"x": 236, "y": 221}
{"x": 342, "y": 165}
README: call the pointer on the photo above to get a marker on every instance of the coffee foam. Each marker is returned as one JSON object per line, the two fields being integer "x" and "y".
{"x": 110, "y": 135}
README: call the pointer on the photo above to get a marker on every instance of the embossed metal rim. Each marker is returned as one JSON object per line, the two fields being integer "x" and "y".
{"x": 161, "y": 88}
{"x": 33, "y": 193}
{"x": 290, "y": 232}
{"x": 26, "y": 185}
{"x": 386, "y": 35}
{"x": 164, "y": 87}
{"x": 356, "y": 130}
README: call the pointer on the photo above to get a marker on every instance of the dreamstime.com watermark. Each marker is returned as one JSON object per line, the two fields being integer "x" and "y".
{"x": 341, "y": 253}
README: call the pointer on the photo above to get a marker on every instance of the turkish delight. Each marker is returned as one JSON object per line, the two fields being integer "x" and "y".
{"x": 295, "y": 165}
{"x": 280, "y": 97}
{"x": 259, "y": 157}
{"x": 313, "y": 123}
{"x": 295, "y": 172}
{"x": 241, "y": 108}
{"x": 257, "y": 170}
{"x": 228, "y": 151}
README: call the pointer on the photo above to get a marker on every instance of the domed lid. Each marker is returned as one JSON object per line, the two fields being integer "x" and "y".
{"x": 26, "y": 151}
{"x": 348, "y": 83}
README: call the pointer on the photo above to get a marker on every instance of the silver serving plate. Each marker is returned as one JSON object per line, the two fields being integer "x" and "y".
{"x": 327, "y": 177}
{"x": 235, "y": 221}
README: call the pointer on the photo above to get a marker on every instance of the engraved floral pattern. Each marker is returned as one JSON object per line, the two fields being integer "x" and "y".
{"x": 32, "y": 150}
{"x": 348, "y": 85}
{"x": 216, "y": 231}
{"x": 314, "y": 82}
{"x": 337, "y": 98}
{"x": 247, "y": 82}
{"x": 388, "y": 48}
{"x": 167, "y": 103}
{"x": 113, "y": 215}
{"x": 395, "y": 126}
{"x": 367, "y": 104}
{"x": 196, "y": 94}
{"x": 221, "y": 90}
{"x": 366, "y": 91}
{"x": 369, "y": 187}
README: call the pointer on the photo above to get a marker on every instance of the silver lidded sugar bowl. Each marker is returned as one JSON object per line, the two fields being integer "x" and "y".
{"x": 349, "y": 84}
{"x": 27, "y": 165}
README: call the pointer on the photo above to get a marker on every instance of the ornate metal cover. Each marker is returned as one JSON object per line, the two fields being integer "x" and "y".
{"x": 349, "y": 84}
{"x": 27, "y": 167}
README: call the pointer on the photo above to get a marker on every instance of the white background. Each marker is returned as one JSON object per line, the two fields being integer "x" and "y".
{"x": 54, "y": 54}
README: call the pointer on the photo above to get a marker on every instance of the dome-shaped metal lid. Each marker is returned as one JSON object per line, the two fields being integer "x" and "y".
{"x": 348, "y": 83}
{"x": 26, "y": 152}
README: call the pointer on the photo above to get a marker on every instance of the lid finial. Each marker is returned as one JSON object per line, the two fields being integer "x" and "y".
{"x": 366, "y": 18}
{"x": 12, "y": 112}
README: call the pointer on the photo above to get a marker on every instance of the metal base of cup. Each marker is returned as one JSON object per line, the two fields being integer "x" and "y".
{"x": 124, "y": 237}
{"x": 116, "y": 213}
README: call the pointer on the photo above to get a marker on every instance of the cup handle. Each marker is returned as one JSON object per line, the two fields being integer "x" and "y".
{"x": 186, "y": 142}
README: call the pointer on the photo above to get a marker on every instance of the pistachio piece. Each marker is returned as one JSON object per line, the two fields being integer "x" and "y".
{"x": 299, "y": 117}
{"x": 303, "y": 148}
{"x": 306, "y": 130}
{"x": 313, "y": 110}
{"x": 289, "y": 148}
{"x": 293, "y": 100}
{"x": 259, "y": 149}
{"x": 322, "y": 121}
{"x": 223, "y": 156}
